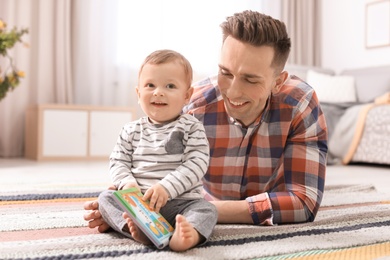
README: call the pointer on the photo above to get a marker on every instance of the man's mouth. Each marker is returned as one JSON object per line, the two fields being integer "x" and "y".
{"x": 236, "y": 103}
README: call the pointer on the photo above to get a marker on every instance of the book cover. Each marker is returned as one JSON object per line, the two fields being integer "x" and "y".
{"x": 153, "y": 224}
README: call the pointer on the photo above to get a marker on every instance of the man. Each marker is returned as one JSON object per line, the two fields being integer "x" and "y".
{"x": 267, "y": 133}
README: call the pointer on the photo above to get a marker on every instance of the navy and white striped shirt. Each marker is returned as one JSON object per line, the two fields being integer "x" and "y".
{"x": 175, "y": 155}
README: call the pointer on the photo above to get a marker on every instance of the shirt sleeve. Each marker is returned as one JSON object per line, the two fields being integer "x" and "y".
{"x": 121, "y": 160}
{"x": 297, "y": 196}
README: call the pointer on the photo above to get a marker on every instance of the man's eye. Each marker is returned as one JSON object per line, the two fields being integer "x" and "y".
{"x": 170, "y": 86}
{"x": 251, "y": 81}
{"x": 224, "y": 72}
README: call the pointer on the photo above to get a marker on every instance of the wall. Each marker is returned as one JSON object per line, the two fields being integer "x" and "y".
{"x": 343, "y": 37}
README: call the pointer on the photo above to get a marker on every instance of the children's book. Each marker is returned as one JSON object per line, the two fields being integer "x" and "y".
{"x": 153, "y": 224}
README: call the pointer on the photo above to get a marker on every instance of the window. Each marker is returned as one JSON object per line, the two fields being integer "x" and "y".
{"x": 189, "y": 27}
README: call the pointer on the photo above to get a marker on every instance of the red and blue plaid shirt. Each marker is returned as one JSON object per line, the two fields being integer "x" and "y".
{"x": 277, "y": 163}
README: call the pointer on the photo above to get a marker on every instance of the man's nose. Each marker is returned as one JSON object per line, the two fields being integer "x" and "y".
{"x": 234, "y": 90}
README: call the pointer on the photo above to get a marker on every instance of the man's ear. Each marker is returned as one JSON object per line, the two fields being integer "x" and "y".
{"x": 189, "y": 94}
{"x": 279, "y": 82}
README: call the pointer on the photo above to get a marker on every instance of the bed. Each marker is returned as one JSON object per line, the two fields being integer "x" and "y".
{"x": 356, "y": 104}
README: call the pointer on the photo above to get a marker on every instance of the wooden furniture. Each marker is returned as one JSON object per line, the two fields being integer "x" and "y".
{"x": 64, "y": 132}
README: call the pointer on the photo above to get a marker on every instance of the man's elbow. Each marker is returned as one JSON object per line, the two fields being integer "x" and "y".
{"x": 309, "y": 215}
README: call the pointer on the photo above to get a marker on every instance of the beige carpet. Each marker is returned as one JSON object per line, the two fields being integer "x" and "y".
{"x": 49, "y": 225}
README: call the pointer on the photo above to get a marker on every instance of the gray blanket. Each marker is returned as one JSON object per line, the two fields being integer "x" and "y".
{"x": 341, "y": 120}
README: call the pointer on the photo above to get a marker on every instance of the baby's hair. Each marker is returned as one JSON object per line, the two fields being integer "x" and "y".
{"x": 165, "y": 56}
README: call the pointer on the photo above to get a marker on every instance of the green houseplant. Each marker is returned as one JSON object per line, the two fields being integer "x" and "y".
{"x": 10, "y": 76}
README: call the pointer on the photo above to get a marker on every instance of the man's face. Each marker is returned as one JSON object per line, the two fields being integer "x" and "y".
{"x": 245, "y": 79}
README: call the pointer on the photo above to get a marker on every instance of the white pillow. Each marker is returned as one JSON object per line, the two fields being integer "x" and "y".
{"x": 332, "y": 89}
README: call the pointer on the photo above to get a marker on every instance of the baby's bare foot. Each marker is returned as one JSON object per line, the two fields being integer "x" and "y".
{"x": 136, "y": 232}
{"x": 184, "y": 236}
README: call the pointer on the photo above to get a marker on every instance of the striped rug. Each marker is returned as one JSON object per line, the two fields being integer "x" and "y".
{"x": 353, "y": 223}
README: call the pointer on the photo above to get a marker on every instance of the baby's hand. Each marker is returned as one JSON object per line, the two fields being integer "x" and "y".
{"x": 130, "y": 185}
{"x": 158, "y": 197}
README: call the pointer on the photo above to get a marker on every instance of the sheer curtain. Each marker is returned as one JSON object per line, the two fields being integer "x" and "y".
{"x": 94, "y": 43}
{"x": 46, "y": 63}
{"x": 69, "y": 61}
{"x": 303, "y": 21}
{"x": 89, "y": 51}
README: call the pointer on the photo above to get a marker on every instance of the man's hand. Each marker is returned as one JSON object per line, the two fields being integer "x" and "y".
{"x": 158, "y": 197}
{"x": 94, "y": 217}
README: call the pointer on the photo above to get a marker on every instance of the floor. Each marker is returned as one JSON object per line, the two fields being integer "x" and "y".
{"x": 25, "y": 172}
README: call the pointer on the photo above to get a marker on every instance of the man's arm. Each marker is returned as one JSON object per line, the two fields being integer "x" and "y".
{"x": 296, "y": 184}
{"x": 233, "y": 211}
{"x": 303, "y": 165}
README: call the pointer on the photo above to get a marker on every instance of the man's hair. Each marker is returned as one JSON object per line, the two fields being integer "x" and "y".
{"x": 259, "y": 29}
{"x": 166, "y": 56}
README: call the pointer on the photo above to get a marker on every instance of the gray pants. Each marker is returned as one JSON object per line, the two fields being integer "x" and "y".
{"x": 200, "y": 213}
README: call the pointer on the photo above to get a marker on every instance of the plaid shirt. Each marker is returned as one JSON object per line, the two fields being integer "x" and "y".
{"x": 277, "y": 163}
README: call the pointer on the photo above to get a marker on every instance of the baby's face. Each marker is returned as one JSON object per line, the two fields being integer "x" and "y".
{"x": 163, "y": 91}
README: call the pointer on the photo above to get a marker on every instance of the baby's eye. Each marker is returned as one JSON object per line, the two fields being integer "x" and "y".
{"x": 170, "y": 86}
{"x": 149, "y": 85}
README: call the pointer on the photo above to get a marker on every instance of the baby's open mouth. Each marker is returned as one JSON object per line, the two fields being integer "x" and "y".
{"x": 159, "y": 103}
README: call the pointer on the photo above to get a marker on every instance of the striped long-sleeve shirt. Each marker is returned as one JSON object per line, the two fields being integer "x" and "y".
{"x": 176, "y": 155}
{"x": 277, "y": 164}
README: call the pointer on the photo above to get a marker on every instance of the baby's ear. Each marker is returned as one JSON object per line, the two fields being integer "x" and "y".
{"x": 189, "y": 93}
{"x": 138, "y": 93}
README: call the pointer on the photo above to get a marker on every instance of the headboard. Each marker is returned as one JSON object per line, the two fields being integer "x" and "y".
{"x": 301, "y": 71}
{"x": 370, "y": 82}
